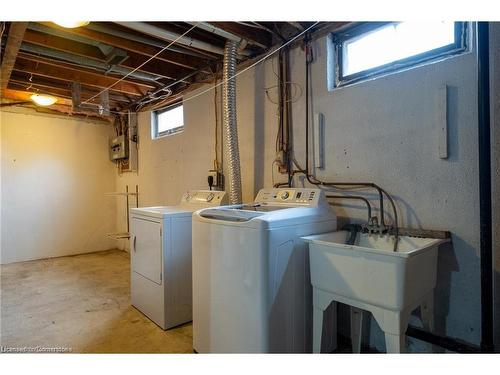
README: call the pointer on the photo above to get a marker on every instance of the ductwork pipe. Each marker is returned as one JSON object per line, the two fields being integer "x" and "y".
{"x": 87, "y": 62}
{"x": 225, "y": 34}
{"x": 232, "y": 154}
{"x": 170, "y": 36}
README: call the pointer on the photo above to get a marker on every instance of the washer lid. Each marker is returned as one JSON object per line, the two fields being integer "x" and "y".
{"x": 163, "y": 211}
{"x": 235, "y": 214}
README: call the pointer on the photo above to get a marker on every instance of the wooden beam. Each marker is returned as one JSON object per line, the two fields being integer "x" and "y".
{"x": 72, "y": 74}
{"x": 14, "y": 84}
{"x": 168, "y": 71}
{"x": 65, "y": 45}
{"x": 25, "y": 95}
{"x": 62, "y": 105}
{"x": 59, "y": 87}
{"x": 130, "y": 45}
{"x": 66, "y": 64}
{"x": 158, "y": 67}
{"x": 14, "y": 41}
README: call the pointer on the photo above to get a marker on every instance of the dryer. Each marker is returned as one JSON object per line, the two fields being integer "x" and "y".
{"x": 160, "y": 248}
{"x": 251, "y": 282}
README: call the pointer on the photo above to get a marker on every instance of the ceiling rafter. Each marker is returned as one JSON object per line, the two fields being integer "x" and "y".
{"x": 66, "y": 64}
{"x": 77, "y": 75}
{"x": 174, "y": 58}
{"x": 167, "y": 71}
{"x": 14, "y": 40}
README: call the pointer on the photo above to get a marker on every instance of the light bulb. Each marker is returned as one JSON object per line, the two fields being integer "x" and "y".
{"x": 43, "y": 100}
{"x": 71, "y": 24}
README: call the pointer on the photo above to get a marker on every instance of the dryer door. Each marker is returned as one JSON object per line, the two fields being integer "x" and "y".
{"x": 146, "y": 249}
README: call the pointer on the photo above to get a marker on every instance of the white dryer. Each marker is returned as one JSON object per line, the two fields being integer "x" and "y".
{"x": 251, "y": 281}
{"x": 160, "y": 248}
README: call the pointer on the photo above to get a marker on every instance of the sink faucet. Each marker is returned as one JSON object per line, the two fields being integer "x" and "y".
{"x": 373, "y": 226}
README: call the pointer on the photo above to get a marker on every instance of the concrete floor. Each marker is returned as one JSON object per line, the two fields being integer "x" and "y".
{"x": 80, "y": 302}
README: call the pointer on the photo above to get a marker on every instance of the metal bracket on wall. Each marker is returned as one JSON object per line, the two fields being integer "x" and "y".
{"x": 425, "y": 233}
{"x": 442, "y": 121}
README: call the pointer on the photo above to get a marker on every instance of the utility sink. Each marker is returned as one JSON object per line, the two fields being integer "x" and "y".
{"x": 371, "y": 276}
{"x": 370, "y": 271}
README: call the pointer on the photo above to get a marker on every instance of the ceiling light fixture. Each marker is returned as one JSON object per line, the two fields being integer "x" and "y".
{"x": 43, "y": 100}
{"x": 71, "y": 24}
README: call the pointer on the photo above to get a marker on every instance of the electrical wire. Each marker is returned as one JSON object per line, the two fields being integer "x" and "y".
{"x": 339, "y": 185}
{"x": 144, "y": 63}
{"x": 248, "y": 67}
{"x": 271, "y": 53}
{"x": 294, "y": 97}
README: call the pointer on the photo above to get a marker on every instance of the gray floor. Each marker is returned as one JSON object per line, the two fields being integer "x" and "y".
{"x": 80, "y": 302}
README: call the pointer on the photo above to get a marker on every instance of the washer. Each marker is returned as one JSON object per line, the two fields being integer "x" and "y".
{"x": 160, "y": 243}
{"x": 251, "y": 281}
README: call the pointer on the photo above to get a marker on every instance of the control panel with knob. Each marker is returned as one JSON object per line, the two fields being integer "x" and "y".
{"x": 209, "y": 197}
{"x": 292, "y": 196}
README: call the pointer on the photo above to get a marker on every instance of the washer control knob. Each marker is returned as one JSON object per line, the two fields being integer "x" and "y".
{"x": 210, "y": 197}
{"x": 285, "y": 195}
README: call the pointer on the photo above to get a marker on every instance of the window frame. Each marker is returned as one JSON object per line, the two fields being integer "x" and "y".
{"x": 460, "y": 46}
{"x": 154, "y": 121}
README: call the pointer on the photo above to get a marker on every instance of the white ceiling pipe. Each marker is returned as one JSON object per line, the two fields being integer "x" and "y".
{"x": 141, "y": 39}
{"x": 207, "y": 26}
{"x": 171, "y": 36}
{"x": 225, "y": 34}
{"x": 215, "y": 30}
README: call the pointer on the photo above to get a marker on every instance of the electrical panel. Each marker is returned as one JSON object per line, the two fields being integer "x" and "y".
{"x": 118, "y": 148}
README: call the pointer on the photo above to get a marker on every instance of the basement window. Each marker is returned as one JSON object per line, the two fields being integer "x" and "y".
{"x": 167, "y": 121}
{"x": 373, "y": 49}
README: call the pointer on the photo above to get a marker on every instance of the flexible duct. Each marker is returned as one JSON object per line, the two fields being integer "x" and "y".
{"x": 232, "y": 154}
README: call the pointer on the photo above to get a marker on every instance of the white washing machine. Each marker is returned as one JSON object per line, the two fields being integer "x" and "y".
{"x": 251, "y": 281}
{"x": 160, "y": 248}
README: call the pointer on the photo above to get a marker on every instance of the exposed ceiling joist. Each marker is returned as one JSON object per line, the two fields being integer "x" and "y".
{"x": 116, "y": 30}
{"x": 171, "y": 36}
{"x": 72, "y": 74}
{"x": 65, "y": 45}
{"x": 130, "y": 45}
{"x": 56, "y": 87}
{"x": 14, "y": 84}
{"x": 14, "y": 40}
{"x": 62, "y": 106}
{"x": 133, "y": 60}
{"x": 145, "y": 84}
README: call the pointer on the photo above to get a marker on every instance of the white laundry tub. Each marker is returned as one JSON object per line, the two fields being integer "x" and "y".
{"x": 370, "y": 271}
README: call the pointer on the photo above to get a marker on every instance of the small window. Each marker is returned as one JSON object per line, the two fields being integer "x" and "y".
{"x": 372, "y": 49}
{"x": 167, "y": 121}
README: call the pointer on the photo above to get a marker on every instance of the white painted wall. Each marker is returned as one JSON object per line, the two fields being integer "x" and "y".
{"x": 382, "y": 130}
{"x": 55, "y": 171}
{"x": 170, "y": 165}
{"x": 385, "y": 131}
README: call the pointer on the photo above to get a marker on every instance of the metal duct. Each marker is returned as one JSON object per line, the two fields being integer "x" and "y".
{"x": 232, "y": 154}
{"x": 170, "y": 36}
{"x": 225, "y": 34}
{"x": 104, "y": 48}
{"x": 140, "y": 39}
{"x": 87, "y": 62}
